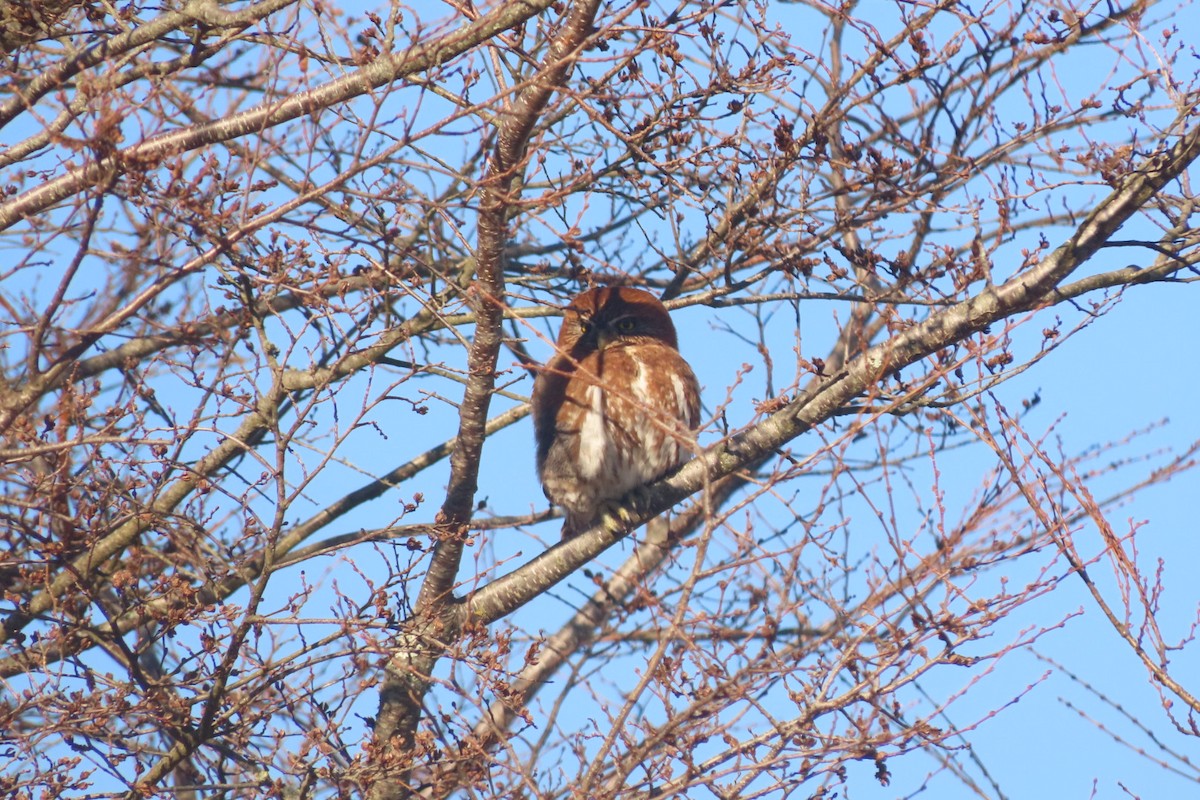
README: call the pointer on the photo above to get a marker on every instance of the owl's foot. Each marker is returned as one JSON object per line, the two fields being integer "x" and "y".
{"x": 623, "y": 514}
{"x": 617, "y": 516}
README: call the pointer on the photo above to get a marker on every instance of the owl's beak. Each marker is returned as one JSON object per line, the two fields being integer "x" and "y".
{"x": 604, "y": 338}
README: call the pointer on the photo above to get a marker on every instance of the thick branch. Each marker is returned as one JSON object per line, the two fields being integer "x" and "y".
{"x": 431, "y": 630}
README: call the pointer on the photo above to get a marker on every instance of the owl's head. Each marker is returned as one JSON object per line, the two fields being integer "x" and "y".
{"x": 612, "y": 316}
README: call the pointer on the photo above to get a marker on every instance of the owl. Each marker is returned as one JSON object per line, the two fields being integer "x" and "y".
{"x": 615, "y": 407}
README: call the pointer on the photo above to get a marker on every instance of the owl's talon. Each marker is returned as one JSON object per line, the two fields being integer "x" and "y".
{"x": 616, "y": 518}
{"x": 625, "y": 511}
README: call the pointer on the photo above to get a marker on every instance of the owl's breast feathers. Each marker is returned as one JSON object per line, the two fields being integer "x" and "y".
{"x": 625, "y": 419}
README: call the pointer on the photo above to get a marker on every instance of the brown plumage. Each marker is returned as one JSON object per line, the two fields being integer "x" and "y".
{"x": 616, "y": 406}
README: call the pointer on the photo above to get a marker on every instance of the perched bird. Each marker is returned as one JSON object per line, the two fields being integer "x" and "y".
{"x": 615, "y": 407}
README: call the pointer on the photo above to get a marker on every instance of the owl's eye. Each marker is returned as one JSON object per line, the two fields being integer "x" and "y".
{"x": 626, "y": 325}
{"x": 585, "y": 326}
